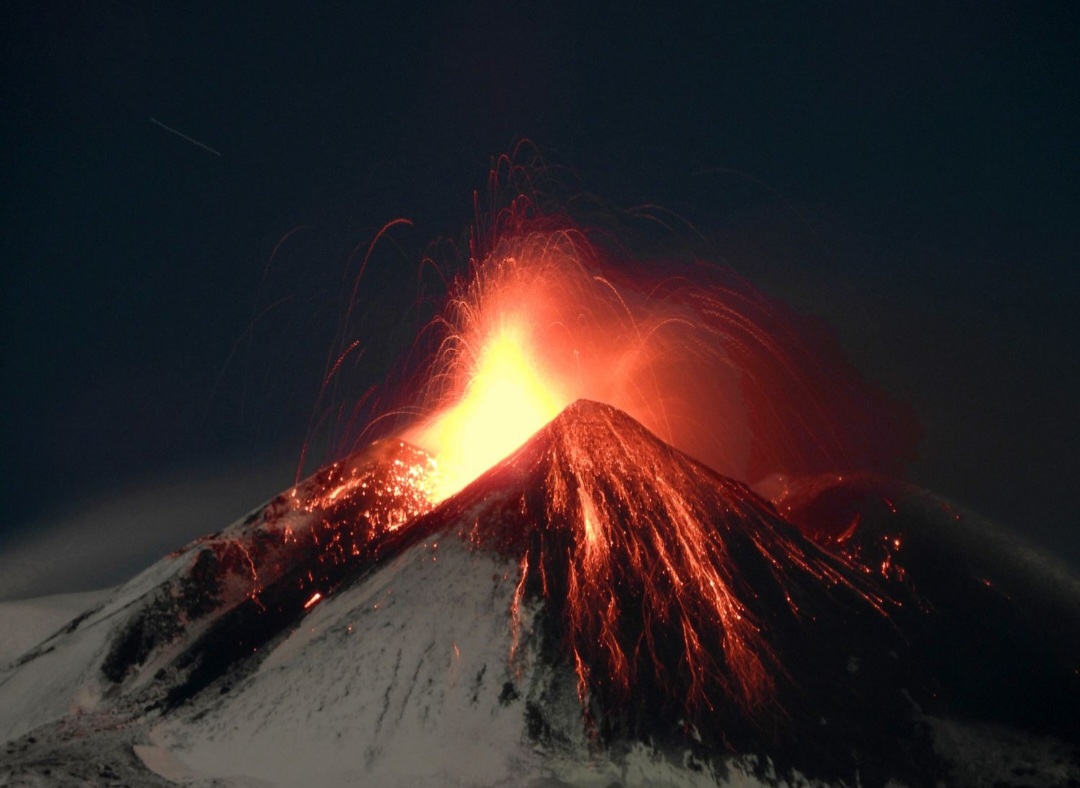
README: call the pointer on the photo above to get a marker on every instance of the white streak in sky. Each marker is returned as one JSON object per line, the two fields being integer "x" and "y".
{"x": 182, "y": 136}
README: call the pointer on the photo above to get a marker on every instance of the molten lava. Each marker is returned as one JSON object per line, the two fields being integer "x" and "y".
{"x": 505, "y": 402}
{"x": 658, "y": 572}
{"x": 712, "y": 367}
{"x": 536, "y": 326}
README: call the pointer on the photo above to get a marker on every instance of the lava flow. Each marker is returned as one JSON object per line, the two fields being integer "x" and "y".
{"x": 661, "y": 578}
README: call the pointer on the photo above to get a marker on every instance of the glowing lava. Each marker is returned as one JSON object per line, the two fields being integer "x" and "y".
{"x": 711, "y": 366}
{"x": 657, "y": 572}
{"x": 505, "y": 402}
{"x": 535, "y": 326}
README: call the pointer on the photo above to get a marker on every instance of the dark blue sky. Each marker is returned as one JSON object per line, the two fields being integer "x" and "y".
{"x": 907, "y": 171}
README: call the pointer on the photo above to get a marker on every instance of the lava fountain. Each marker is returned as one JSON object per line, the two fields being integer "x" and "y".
{"x": 536, "y": 325}
{"x": 544, "y": 317}
{"x": 620, "y": 529}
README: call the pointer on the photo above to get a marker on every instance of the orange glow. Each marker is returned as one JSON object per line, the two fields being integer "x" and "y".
{"x": 535, "y": 326}
{"x": 541, "y": 318}
{"x": 638, "y": 549}
{"x": 505, "y": 402}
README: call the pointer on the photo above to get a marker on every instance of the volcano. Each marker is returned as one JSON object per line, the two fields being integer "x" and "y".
{"x": 596, "y": 609}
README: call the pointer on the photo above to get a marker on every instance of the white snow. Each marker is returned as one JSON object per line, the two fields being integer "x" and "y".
{"x": 26, "y": 622}
{"x": 161, "y": 762}
{"x": 395, "y": 681}
{"x": 64, "y": 675}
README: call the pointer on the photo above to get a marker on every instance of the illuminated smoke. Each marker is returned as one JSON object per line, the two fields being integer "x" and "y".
{"x": 542, "y": 319}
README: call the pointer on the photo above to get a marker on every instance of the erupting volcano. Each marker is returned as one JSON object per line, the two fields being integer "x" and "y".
{"x": 559, "y": 575}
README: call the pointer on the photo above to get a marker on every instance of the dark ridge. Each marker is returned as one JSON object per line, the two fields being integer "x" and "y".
{"x": 995, "y": 624}
{"x": 194, "y": 595}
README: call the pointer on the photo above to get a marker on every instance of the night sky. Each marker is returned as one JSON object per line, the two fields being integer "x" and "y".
{"x": 906, "y": 171}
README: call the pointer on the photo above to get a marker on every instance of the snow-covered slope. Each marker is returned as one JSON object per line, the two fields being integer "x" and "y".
{"x": 26, "y": 622}
{"x": 407, "y": 673}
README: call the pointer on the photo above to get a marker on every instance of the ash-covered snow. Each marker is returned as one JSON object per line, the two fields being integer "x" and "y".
{"x": 993, "y": 755}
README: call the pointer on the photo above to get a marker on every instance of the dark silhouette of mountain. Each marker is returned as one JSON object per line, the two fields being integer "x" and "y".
{"x": 993, "y": 623}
